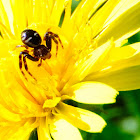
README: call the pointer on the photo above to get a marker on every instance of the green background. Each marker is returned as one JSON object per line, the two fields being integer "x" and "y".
{"x": 122, "y": 117}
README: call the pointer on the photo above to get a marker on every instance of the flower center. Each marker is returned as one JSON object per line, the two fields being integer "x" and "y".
{"x": 51, "y": 103}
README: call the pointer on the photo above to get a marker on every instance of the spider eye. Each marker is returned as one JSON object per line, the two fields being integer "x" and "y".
{"x": 31, "y": 38}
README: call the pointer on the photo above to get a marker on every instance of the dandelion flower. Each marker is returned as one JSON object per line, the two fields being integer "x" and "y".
{"x": 90, "y": 68}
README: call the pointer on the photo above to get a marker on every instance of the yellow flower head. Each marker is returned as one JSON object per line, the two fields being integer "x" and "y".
{"x": 89, "y": 62}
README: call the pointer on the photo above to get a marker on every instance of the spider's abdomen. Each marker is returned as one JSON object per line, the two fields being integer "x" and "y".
{"x": 42, "y": 52}
{"x": 31, "y": 38}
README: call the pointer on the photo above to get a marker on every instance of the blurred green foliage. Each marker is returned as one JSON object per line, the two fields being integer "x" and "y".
{"x": 123, "y": 119}
{"x": 33, "y": 135}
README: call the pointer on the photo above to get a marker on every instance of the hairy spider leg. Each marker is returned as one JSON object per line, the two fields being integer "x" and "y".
{"x": 20, "y": 65}
{"x": 56, "y": 44}
{"x": 55, "y": 35}
{"x": 26, "y": 67}
{"x": 49, "y": 36}
{"x": 25, "y": 54}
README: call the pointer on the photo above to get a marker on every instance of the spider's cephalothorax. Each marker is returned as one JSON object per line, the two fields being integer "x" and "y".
{"x": 32, "y": 39}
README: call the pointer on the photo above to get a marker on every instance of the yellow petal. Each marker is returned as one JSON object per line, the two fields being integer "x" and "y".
{"x": 93, "y": 93}
{"x": 98, "y": 19}
{"x": 39, "y": 11}
{"x": 66, "y": 20}
{"x": 8, "y": 115}
{"x": 9, "y": 13}
{"x": 6, "y": 34}
{"x": 50, "y": 103}
{"x": 83, "y": 119}
{"x": 122, "y": 70}
{"x": 63, "y": 130}
{"x": 4, "y": 50}
{"x": 57, "y": 12}
{"x": 124, "y": 57}
{"x": 80, "y": 15}
{"x": 120, "y": 8}
{"x": 16, "y": 97}
{"x": 50, "y": 4}
{"x": 122, "y": 53}
{"x": 122, "y": 27}
{"x": 43, "y": 130}
{"x": 94, "y": 61}
{"x": 5, "y": 19}
{"x": 124, "y": 79}
{"x": 85, "y": 9}
{"x": 19, "y": 17}
{"x": 1, "y": 39}
{"x": 17, "y": 131}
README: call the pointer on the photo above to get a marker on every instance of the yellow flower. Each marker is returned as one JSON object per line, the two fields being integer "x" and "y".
{"x": 91, "y": 68}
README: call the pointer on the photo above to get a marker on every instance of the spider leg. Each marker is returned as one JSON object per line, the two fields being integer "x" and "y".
{"x": 22, "y": 46}
{"x": 20, "y": 65}
{"x": 25, "y": 54}
{"x": 40, "y": 62}
{"x": 26, "y": 67}
{"x": 55, "y": 35}
{"x": 56, "y": 42}
{"x": 48, "y": 36}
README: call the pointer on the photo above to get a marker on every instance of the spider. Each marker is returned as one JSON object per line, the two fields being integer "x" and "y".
{"x": 32, "y": 39}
